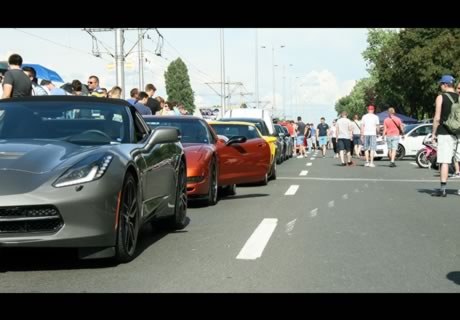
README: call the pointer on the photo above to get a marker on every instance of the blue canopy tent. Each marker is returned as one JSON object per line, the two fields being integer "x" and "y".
{"x": 44, "y": 73}
{"x": 405, "y": 119}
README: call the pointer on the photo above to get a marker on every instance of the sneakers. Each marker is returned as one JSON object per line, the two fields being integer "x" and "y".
{"x": 439, "y": 193}
{"x": 371, "y": 165}
{"x": 350, "y": 163}
{"x": 456, "y": 176}
{"x": 366, "y": 164}
{"x": 299, "y": 156}
{"x": 343, "y": 164}
{"x": 392, "y": 165}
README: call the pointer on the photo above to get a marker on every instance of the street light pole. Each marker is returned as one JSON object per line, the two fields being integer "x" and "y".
{"x": 257, "y": 71}
{"x": 222, "y": 72}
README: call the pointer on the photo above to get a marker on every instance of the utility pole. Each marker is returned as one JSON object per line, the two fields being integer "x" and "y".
{"x": 120, "y": 53}
{"x": 120, "y": 58}
{"x": 257, "y": 70}
{"x": 140, "y": 46}
{"x": 222, "y": 71}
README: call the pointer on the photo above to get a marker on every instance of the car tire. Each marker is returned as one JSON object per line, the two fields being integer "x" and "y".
{"x": 229, "y": 190}
{"x": 128, "y": 221}
{"x": 179, "y": 220}
{"x": 213, "y": 184}
{"x": 272, "y": 175}
{"x": 400, "y": 152}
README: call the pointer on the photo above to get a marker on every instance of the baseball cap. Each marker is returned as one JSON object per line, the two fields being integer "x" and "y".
{"x": 447, "y": 79}
{"x": 371, "y": 107}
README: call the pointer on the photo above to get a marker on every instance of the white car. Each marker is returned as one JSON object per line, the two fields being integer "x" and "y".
{"x": 412, "y": 141}
{"x": 381, "y": 150}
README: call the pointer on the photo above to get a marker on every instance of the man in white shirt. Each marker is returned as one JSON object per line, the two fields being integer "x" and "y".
{"x": 369, "y": 129}
{"x": 343, "y": 138}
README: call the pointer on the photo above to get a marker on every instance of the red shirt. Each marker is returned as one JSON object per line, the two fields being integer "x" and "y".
{"x": 290, "y": 128}
{"x": 391, "y": 126}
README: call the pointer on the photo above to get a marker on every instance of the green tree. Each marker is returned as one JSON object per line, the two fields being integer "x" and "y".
{"x": 362, "y": 95}
{"x": 178, "y": 86}
{"x": 410, "y": 65}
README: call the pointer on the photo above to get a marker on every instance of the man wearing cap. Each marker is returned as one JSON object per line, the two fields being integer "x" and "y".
{"x": 448, "y": 145}
{"x": 369, "y": 129}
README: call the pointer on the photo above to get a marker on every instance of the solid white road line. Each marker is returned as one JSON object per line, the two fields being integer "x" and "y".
{"x": 256, "y": 243}
{"x": 363, "y": 179}
{"x": 309, "y": 164}
{"x": 303, "y": 173}
{"x": 292, "y": 190}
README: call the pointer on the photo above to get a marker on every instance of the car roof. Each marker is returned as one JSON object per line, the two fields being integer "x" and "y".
{"x": 237, "y": 119}
{"x": 67, "y": 99}
{"x": 181, "y": 118}
{"x": 233, "y": 123}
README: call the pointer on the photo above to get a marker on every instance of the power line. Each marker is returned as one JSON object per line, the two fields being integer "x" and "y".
{"x": 56, "y": 43}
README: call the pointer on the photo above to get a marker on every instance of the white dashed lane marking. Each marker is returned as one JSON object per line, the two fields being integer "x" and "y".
{"x": 314, "y": 212}
{"x": 309, "y": 164}
{"x": 257, "y": 242}
{"x": 292, "y": 190}
{"x": 303, "y": 173}
{"x": 290, "y": 226}
{"x": 331, "y": 204}
{"x": 345, "y": 196}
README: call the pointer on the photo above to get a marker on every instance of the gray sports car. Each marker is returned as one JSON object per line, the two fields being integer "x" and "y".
{"x": 86, "y": 172}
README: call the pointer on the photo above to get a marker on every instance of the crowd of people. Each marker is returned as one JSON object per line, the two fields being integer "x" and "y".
{"x": 21, "y": 81}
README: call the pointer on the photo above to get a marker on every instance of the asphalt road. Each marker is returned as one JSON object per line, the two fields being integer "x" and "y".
{"x": 333, "y": 229}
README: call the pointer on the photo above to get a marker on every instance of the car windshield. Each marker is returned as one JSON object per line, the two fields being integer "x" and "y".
{"x": 259, "y": 124}
{"x": 231, "y": 130}
{"x": 192, "y": 131}
{"x": 85, "y": 123}
{"x": 409, "y": 127}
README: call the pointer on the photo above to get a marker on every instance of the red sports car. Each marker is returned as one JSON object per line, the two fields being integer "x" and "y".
{"x": 214, "y": 162}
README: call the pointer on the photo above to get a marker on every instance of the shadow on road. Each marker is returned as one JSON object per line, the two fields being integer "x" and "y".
{"x": 430, "y": 191}
{"x": 44, "y": 259}
{"x": 454, "y": 277}
{"x": 245, "y": 196}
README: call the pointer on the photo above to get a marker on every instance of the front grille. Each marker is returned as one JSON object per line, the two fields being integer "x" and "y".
{"x": 30, "y": 219}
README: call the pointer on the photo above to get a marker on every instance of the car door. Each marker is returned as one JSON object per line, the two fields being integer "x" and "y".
{"x": 157, "y": 171}
{"x": 244, "y": 162}
{"x": 415, "y": 139}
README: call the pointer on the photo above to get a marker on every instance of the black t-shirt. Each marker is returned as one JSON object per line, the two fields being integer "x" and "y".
{"x": 445, "y": 111}
{"x": 322, "y": 129}
{"x": 300, "y": 128}
{"x": 153, "y": 105}
{"x": 22, "y": 86}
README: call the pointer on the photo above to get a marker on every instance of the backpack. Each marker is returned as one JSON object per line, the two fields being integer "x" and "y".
{"x": 453, "y": 120}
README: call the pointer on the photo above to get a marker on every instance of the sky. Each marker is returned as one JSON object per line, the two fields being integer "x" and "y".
{"x": 319, "y": 65}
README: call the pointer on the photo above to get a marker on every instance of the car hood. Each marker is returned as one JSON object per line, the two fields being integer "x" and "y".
{"x": 39, "y": 157}
{"x": 194, "y": 152}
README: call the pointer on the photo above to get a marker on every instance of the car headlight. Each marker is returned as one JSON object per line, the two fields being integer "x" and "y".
{"x": 87, "y": 170}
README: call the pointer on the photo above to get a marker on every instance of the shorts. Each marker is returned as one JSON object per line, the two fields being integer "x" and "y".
{"x": 370, "y": 143}
{"x": 344, "y": 144}
{"x": 322, "y": 140}
{"x": 446, "y": 146}
{"x": 300, "y": 140}
{"x": 392, "y": 142}
{"x": 357, "y": 139}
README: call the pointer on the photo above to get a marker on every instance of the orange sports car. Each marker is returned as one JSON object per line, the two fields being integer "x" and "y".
{"x": 213, "y": 161}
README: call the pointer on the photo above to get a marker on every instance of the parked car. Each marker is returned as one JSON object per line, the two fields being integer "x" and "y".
{"x": 275, "y": 146}
{"x": 265, "y": 115}
{"x": 284, "y": 142}
{"x": 412, "y": 140}
{"x": 289, "y": 142}
{"x": 213, "y": 162}
{"x": 71, "y": 179}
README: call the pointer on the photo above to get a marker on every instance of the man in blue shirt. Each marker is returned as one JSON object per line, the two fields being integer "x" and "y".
{"x": 141, "y": 104}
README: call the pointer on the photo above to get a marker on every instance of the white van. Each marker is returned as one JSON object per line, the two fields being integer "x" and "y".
{"x": 253, "y": 113}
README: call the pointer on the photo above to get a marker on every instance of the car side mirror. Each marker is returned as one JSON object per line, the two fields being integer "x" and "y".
{"x": 164, "y": 135}
{"x": 236, "y": 139}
